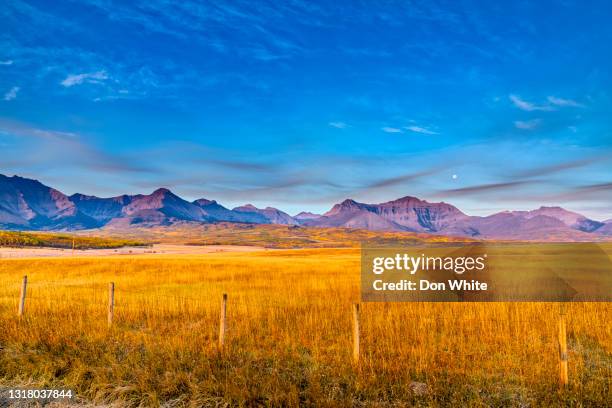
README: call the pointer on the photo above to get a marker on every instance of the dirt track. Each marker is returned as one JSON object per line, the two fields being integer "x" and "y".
{"x": 161, "y": 249}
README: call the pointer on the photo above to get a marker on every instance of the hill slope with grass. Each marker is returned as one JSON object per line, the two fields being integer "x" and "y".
{"x": 27, "y": 239}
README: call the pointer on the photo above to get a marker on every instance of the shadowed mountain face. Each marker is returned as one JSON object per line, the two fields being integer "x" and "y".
{"x": 101, "y": 209}
{"x": 269, "y": 214}
{"x": 304, "y": 215}
{"x": 27, "y": 204}
{"x": 606, "y": 229}
{"x": 246, "y": 214}
{"x": 569, "y": 218}
{"x": 216, "y": 211}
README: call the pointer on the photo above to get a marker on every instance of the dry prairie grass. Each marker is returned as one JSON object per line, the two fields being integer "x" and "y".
{"x": 266, "y": 235}
{"x": 18, "y": 239}
{"x": 289, "y": 337}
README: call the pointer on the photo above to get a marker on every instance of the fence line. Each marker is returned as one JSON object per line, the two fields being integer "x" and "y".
{"x": 356, "y": 349}
{"x": 156, "y": 292}
{"x": 563, "y": 374}
{"x": 222, "y": 322}
{"x": 22, "y": 296}
{"x": 111, "y": 303}
{"x": 356, "y": 333}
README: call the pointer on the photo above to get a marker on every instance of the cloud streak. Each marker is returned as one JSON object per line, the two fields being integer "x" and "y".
{"x": 596, "y": 192}
{"x": 560, "y": 167}
{"x": 419, "y": 129}
{"x": 97, "y": 77}
{"x": 70, "y": 149}
{"x": 553, "y": 102}
{"x": 399, "y": 180}
{"x": 388, "y": 129}
{"x": 527, "y": 124}
{"x": 564, "y": 102}
{"x": 11, "y": 93}
{"x": 484, "y": 188}
{"x": 528, "y": 106}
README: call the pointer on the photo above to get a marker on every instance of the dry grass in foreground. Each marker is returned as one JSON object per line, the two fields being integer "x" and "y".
{"x": 288, "y": 340}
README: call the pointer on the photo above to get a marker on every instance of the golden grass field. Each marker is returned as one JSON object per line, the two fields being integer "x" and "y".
{"x": 266, "y": 235}
{"x": 54, "y": 240}
{"x": 289, "y": 338}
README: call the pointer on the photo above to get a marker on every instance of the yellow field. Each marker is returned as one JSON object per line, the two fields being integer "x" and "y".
{"x": 289, "y": 337}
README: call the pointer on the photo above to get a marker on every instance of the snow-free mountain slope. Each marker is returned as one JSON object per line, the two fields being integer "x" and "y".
{"x": 27, "y": 204}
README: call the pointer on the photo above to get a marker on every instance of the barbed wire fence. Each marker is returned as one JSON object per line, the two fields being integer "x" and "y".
{"x": 112, "y": 302}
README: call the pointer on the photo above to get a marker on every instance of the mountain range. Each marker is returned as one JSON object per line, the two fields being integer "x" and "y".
{"x": 27, "y": 204}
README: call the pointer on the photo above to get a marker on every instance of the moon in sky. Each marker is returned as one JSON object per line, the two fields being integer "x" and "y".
{"x": 454, "y": 177}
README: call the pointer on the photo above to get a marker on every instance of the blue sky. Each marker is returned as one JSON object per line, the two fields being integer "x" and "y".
{"x": 300, "y": 104}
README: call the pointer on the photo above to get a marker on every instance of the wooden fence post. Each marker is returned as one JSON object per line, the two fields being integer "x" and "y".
{"x": 222, "y": 321}
{"x": 356, "y": 332}
{"x": 111, "y": 303}
{"x": 563, "y": 375}
{"x": 22, "y": 296}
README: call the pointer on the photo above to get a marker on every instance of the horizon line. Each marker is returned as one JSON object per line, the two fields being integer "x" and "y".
{"x": 169, "y": 189}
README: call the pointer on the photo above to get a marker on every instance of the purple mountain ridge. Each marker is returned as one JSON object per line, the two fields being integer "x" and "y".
{"x": 404, "y": 214}
{"x": 305, "y": 215}
{"x": 216, "y": 211}
{"x": 102, "y": 210}
{"x": 606, "y": 229}
{"x": 162, "y": 206}
{"x": 27, "y": 204}
{"x": 271, "y": 215}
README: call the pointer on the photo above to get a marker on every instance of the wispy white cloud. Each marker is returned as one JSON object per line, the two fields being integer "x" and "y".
{"x": 419, "y": 129}
{"x": 6, "y": 62}
{"x": 91, "y": 78}
{"x": 192, "y": 21}
{"x": 69, "y": 148}
{"x": 564, "y": 102}
{"x": 338, "y": 125}
{"x": 11, "y": 94}
{"x": 391, "y": 130}
{"x": 528, "y": 106}
{"x": 527, "y": 124}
